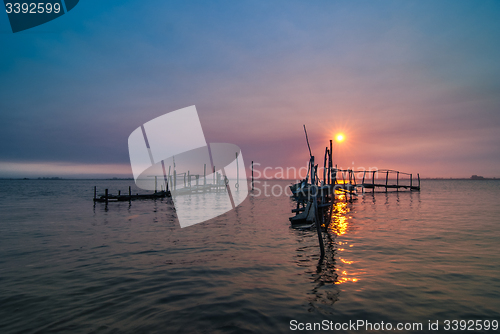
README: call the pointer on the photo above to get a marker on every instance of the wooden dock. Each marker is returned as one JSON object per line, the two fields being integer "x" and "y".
{"x": 181, "y": 183}
{"x": 316, "y": 197}
{"x": 107, "y": 197}
{"x": 395, "y": 182}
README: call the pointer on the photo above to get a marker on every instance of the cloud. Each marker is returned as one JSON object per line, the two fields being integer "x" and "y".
{"x": 413, "y": 83}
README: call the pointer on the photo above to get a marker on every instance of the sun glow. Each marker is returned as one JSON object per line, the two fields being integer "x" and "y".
{"x": 339, "y": 137}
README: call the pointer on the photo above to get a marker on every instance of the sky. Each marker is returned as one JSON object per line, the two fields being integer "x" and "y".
{"x": 413, "y": 85}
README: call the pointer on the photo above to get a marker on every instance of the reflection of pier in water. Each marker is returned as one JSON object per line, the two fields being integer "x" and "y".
{"x": 342, "y": 264}
{"x": 335, "y": 268}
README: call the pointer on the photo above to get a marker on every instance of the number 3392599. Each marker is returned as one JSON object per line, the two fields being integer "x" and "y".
{"x": 32, "y": 8}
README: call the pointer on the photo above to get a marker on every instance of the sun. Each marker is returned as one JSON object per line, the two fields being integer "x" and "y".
{"x": 339, "y": 137}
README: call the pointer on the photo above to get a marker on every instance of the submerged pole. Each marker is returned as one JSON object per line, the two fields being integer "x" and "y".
{"x": 318, "y": 229}
{"x": 315, "y": 206}
{"x": 95, "y": 193}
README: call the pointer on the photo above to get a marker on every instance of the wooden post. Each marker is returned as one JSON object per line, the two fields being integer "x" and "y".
{"x": 330, "y": 165}
{"x": 313, "y": 176}
{"x": 95, "y": 193}
{"x": 315, "y": 207}
{"x": 327, "y": 181}
{"x": 205, "y": 175}
{"x": 373, "y": 182}
{"x": 169, "y": 179}
{"x": 397, "y": 182}
{"x": 351, "y": 176}
{"x": 252, "y": 174}
{"x": 237, "y": 173}
{"x": 106, "y": 196}
{"x": 386, "y": 180}
{"x": 318, "y": 229}
{"x": 119, "y": 192}
{"x": 175, "y": 180}
{"x": 324, "y": 166}
{"x": 411, "y": 181}
{"x": 343, "y": 185}
{"x": 129, "y": 190}
{"x": 418, "y": 176}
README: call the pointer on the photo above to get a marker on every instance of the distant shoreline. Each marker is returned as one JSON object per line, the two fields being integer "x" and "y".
{"x": 249, "y": 179}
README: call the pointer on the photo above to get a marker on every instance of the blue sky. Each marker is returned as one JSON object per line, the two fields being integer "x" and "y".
{"x": 414, "y": 84}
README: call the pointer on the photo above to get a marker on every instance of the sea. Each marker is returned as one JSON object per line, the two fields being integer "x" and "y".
{"x": 422, "y": 261}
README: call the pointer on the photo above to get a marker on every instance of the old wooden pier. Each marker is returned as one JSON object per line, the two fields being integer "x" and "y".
{"x": 316, "y": 196}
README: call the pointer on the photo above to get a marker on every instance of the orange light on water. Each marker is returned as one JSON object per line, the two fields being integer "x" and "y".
{"x": 346, "y": 262}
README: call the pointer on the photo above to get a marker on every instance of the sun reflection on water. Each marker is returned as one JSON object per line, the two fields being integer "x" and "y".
{"x": 339, "y": 226}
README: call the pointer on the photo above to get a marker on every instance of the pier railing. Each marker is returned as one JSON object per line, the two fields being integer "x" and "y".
{"x": 391, "y": 179}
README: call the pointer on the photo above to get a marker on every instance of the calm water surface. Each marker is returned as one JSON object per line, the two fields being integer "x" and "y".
{"x": 69, "y": 267}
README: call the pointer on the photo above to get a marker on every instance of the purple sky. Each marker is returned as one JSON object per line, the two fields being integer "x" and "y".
{"x": 414, "y": 85}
